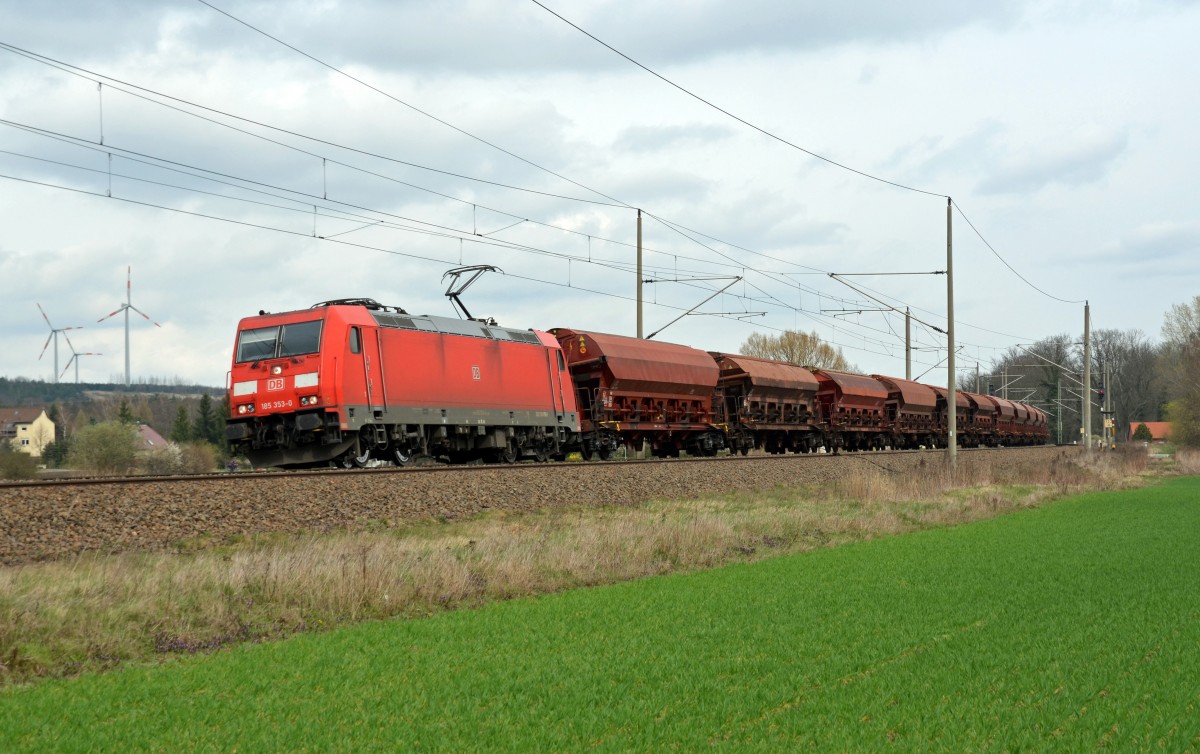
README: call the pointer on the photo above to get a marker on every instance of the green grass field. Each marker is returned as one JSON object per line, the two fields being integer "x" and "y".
{"x": 1071, "y": 627}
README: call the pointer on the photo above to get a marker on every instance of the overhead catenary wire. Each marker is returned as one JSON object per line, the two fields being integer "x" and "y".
{"x": 449, "y": 231}
{"x": 547, "y": 170}
{"x": 731, "y": 261}
{"x": 75, "y": 70}
{"x": 352, "y": 244}
{"x": 795, "y": 146}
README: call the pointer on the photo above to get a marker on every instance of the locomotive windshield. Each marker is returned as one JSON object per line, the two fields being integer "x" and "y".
{"x": 281, "y": 340}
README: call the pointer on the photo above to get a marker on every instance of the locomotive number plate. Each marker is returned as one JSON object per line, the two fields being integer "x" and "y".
{"x": 267, "y": 406}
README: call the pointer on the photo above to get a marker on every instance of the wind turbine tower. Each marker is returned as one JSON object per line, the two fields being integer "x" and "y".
{"x": 125, "y": 307}
{"x": 54, "y": 331}
{"x": 74, "y": 358}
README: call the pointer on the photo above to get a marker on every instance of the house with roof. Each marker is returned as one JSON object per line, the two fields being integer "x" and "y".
{"x": 149, "y": 439}
{"x": 1159, "y": 431}
{"x": 27, "y": 429}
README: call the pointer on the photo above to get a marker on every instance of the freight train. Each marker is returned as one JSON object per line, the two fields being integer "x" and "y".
{"x": 352, "y": 382}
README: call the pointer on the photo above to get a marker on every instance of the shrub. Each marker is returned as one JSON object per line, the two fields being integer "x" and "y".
{"x": 14, "y": 464}
{"x": 105, "y": 448}
{"x": 162, "y": 461}
{"x": 197, "y": 458}
{"x": 1142, "y": 433}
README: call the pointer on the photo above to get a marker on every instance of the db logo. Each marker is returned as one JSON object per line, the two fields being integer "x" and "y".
{"x": 275, "y": 383}
{"x": 474, "y": 373}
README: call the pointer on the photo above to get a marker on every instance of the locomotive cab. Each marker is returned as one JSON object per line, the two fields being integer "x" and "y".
{"x": 278, "y": 400}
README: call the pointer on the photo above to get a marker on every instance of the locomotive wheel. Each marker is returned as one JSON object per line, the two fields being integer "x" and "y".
{"x": 401, "y": 456}
{"x": 540, "y": 455}
{"x": 351, "y": 461}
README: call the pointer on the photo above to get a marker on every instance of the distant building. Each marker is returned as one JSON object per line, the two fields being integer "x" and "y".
{"x": 1159, "y": 431}
{"x": 148, "y": 439}
{"x": 27, "y": 429}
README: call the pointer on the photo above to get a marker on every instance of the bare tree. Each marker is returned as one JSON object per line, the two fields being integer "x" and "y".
{"x": 795, "y": 347}
{"x": 1179, "y": 366}
{"x": 1131, "y": 361}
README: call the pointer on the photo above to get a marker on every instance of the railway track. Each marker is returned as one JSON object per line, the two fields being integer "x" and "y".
{"x": 62, "y": 519}
{"x": 440, "y": 468}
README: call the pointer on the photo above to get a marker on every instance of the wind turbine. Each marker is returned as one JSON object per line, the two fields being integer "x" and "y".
{"x": 54, "y": 331}
{"x": 75, "y": 358}
{"x": 125, "y": 307}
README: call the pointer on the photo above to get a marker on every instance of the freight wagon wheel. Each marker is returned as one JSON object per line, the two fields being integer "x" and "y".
{"x": 587, "y": 452}
{"x": 509, "y": 454}
{"x": 606, "y": 453}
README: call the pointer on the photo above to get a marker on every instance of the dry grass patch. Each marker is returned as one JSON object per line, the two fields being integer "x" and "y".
{"x": 95, "y": 611}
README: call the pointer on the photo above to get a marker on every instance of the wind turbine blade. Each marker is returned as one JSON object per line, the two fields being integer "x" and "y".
{"x": 73, "y": 327}
{"x": 43, "y": 311}
{"x": 68, "y": 366}
{"x": 147, "y": 316}
{"x": 48, "y": 339}
{"x": 69, "y": 343}
{"x": 118, "y": 311}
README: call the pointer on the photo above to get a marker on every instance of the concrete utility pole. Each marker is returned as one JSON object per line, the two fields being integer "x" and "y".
{"x": 977, "y": 377}
{"x": 951, "y": 389}
{"x": 1059, "y": 405}
{"x": 907, "y": 343}
{"x": 1087, "y": 378}
{"x": 1004, "y": 382}
{"x": 1110, "y": 424}
{"x": 639, "y": 274}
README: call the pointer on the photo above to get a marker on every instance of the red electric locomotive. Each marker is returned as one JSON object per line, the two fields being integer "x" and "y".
{"x": 351, "y": 380}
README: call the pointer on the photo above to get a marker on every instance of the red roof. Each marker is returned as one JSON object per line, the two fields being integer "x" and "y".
{"x": 20, "y": 415}
{"x": 150, "y": 440}
{"x": 1158, "y": 430}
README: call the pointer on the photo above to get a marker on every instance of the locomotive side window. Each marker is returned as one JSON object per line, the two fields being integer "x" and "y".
{"x": 355, "y": 340}
{"x": 254, "y": 345}
{"x": 300, "y": 338}
{"x": 562, "y": 365}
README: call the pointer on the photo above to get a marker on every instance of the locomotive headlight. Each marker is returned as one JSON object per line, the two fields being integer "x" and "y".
{"x": 241, "y": 409}
{"x": 277, "y": 369}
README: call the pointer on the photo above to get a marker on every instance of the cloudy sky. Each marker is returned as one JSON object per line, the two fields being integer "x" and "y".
{"x": 371, "y": 146}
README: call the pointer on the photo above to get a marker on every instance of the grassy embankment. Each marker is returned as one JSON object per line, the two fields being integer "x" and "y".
{"x": 98, "y": 612}
{"x": 1067, "y": 627}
